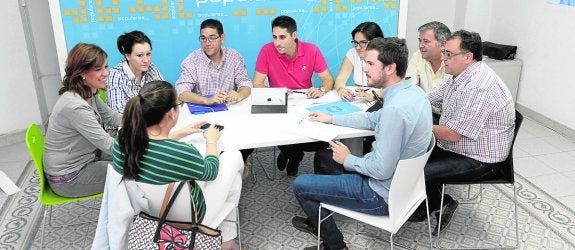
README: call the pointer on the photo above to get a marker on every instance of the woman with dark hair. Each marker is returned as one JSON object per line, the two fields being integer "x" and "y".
{"x": 146, "y": 151}
{"x": 354, "y": 59}
{"x": 77, "y": 149}
{"x": 136, "y": 69}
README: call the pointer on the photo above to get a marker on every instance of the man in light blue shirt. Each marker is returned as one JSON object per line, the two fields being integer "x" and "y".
{"x": 403, "y": 130}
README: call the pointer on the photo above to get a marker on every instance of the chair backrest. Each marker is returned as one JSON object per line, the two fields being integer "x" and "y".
{"x": 508, "y": 174}
{"x": 35, "y": 144}
{"x": 181, "y": 210}
{"x": 102, "y": 94}
{"x": 407, "y": 189}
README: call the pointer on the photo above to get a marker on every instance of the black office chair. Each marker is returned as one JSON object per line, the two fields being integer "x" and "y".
{"x": 506, "y": 176}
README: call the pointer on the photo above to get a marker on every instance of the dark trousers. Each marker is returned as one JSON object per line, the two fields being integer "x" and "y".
{"x": 447, "y": 167}
{"x": 295, "y": 152}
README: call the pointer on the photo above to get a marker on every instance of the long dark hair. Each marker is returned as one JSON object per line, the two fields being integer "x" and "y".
{"x": 146, "y": 109}
{"x": 83, "y": 57}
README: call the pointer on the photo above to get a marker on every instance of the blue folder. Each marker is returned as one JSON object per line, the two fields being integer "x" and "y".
{"x": 335, "y": 108}
{"x": 200, "y": 108}
{"x": 197, "y": 109}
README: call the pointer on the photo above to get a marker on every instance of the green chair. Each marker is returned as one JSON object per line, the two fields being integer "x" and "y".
{"x": 102, "y": 94}
{"x": 35, "y": 144}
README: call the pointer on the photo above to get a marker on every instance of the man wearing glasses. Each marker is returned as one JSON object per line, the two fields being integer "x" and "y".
{"x": 426, "y": 68}
{"x": 476, "y": 126}
{"x": 213, "y": 74}
{"x": 290, "y": 63}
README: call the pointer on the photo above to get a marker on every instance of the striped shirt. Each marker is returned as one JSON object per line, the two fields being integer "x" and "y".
{"x": 166, "y": 161}
{"x": 477, "y": 105}
{"x": 121, "y": 84}
{"x": 200, "y": 76}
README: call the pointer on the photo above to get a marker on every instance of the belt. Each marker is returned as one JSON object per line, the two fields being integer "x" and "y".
{"x": 62, "y": 178}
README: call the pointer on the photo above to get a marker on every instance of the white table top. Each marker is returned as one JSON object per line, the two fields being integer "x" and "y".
{"x": 243, "y": 130}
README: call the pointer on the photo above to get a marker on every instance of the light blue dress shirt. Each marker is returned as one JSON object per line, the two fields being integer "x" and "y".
{"x": 403, "y": 130}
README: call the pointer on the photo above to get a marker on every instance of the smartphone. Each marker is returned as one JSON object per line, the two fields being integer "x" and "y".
{"x": 207, "y": 125}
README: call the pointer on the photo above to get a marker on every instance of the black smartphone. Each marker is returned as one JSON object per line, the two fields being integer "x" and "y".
{"x": 207, "y": 125}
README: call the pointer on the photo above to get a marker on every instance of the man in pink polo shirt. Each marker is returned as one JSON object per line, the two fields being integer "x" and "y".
{"x": 290, "y": 63}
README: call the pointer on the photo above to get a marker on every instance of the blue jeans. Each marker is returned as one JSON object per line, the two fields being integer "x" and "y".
{"x": 350, "y": 191}
{"x": 445, "y": 166}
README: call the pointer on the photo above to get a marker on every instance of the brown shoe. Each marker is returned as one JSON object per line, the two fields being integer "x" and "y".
{"x": 247, "y": 170}
{"x": 302, "y": 224}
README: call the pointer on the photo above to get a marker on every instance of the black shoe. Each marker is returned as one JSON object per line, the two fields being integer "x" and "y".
{"x": 321, "y": 247}
{"x": 448, "y": 211}
{"x": 292, "y": 167}
{"x": 282, "y": 161}
{"x": 302, "y": 224}
{"x": 418, "y": 216}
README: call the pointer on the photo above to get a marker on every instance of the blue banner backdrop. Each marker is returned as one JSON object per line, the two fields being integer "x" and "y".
{"x": 173, "y": 25}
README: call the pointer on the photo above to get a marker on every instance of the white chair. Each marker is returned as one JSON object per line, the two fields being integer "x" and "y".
{"x": 407, "y": 191}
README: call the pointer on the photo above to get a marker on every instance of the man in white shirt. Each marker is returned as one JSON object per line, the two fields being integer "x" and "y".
{"x": 426, "y": 68}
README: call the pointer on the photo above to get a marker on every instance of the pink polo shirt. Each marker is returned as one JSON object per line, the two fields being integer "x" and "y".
{"x": 292, "y": 74}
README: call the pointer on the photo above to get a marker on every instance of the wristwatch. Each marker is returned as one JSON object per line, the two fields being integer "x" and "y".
{"x": 322, "y": 90}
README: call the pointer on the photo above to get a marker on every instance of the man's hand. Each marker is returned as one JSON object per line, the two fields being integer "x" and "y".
{"x": 340, "y": 151}
{"x": 233, "y": 97}
{"x": 317, "y": 116}
{"x": 314, "y": 92}
{"x": 217, "y": 98}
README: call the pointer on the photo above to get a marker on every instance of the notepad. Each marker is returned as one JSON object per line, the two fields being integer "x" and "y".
{"x": 335, "y": 108}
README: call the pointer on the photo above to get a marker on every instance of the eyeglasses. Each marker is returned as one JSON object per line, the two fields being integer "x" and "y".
{"x": 362, "y": 43}
{"x": 211, "y": 39}
{"x": 449, "y": 54}
{"x": 180, "y": 103}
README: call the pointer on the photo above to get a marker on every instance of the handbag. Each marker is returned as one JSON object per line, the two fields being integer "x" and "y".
{"x": 149, "y": 232}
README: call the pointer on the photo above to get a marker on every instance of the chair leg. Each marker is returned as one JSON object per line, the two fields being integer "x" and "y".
{"x": 43, "y": 228}
{"x": 238, "y": 225}
{"x": 268, "y": 175}
{"x": 428, "y": 224}
{"x": 516, "y": 217}
{"x": 319, "y": 220}
{"x": 440, "y": 212}
{"x": 391, "y": 240}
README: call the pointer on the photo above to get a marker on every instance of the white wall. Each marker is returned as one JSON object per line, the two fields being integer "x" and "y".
{"x": 545, "y": 36}
{"x": 18, "y": 101}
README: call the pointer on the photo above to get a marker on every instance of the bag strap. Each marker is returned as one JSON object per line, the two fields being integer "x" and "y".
{"x": 167, "y": 210}
{"x": 166, "y": 198}
{"x": 193, "y": 206}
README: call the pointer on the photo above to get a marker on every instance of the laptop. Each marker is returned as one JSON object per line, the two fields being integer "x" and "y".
{"x": 269, "y": 100}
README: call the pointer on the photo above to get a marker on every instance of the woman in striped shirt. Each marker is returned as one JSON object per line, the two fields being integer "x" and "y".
{"x": 146, "y": 151}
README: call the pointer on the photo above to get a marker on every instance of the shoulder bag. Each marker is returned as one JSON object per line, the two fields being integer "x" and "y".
{"x": 149, "y": 232}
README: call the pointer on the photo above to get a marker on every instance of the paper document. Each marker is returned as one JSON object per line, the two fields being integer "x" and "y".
{"x": 7, "y": 185}
{"x": 315, "y": 130}
{"x": 335, "y": 108}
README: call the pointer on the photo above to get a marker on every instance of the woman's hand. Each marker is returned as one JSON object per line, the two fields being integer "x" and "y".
{"x": 212, "y": 134}
{"x": 187, "y": 130}
{"x": 346, "y": 94}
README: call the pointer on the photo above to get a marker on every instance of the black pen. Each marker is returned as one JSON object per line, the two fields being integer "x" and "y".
{"x": 299, "y": 92}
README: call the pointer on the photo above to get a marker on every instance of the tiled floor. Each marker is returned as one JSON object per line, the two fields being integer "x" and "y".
{"x": 541, "y": 155}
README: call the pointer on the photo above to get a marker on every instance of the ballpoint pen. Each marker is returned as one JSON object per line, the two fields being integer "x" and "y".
{"x": 299, "y": 92}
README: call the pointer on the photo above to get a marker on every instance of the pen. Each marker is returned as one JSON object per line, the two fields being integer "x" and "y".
{"x": 299, "y": 92}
